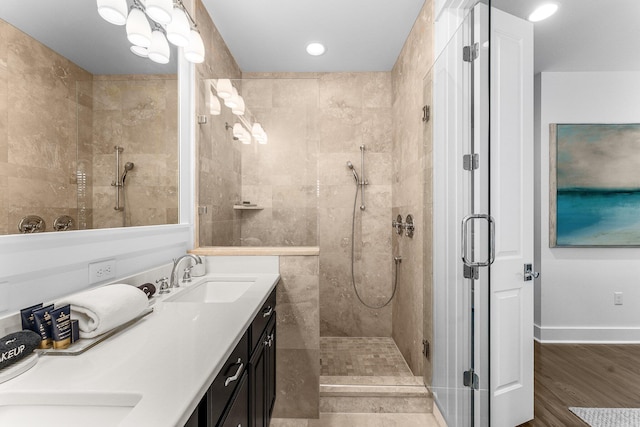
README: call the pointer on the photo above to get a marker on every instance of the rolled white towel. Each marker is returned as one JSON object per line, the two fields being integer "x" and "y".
{"x": 102, "y": 309}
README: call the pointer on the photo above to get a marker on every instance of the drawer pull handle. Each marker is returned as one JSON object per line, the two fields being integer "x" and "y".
{"x": 267, "y": 311}
{"x": 235, "y": 377}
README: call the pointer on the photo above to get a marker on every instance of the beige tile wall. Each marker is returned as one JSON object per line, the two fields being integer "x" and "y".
{"x": 218, "y": 155}
{"x": 139, "y": 114}
{"x": 412, "y": 189}
{"x": 316, "y": 122}
{"x": 37, "y": 130}
{"x": 298, "y": 341}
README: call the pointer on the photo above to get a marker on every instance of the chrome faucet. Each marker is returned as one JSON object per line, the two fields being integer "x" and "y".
{"x": 173, "y": 283}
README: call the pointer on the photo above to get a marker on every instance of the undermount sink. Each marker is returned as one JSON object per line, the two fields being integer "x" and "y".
{"x": 215, "y": 291}
{"x": 76, "y": 409}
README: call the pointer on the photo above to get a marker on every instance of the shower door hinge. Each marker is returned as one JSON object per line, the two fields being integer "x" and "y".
{"x": 470, "y": 379}
{"x": 470, "y": 272}
{"x": 426, "y": 113}
{"x": 471, "y": 162}
{"x": 470, "y": 53}
{"x": 426, "y": 349}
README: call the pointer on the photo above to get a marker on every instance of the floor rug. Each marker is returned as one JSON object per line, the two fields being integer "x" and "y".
{"x": 609, "y": 417}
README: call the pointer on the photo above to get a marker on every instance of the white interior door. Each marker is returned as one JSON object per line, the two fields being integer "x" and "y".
{"x": 511, "y": 205}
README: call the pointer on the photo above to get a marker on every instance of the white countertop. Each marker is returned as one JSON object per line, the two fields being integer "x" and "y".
{"x": 170, "y": 357}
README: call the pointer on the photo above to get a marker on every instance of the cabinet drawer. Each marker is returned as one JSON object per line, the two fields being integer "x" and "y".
{"x": 227, "y": 380}
{"x": 238, "y": 413}
{"x": 262, "y": 318}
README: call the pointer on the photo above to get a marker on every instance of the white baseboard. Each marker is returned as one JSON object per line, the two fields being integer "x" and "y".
{"x": 587, "y": 335}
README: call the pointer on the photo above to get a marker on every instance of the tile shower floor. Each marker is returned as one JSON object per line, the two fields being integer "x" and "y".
{"x": 361, "y": 356}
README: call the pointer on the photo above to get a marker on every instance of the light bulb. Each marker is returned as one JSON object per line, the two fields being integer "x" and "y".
{"x": 138, "y": 28}
{"x": 178, "y": 31}
{"x": 256, "y": 130}
{"x": 113, "y": 11}
{"x": 194, "y": 51}
{"x": 237, "y": 130}
{"x": 543, "y": 12}
{"x": 316, "y": 49}
{"x": 224, "y": 88}
{"x": 246, "y": 137}
{"x": 238, "y": 110}
{"x": 231, "y": 101}
{"x": 159, "y": 10}
{"x": 140, "y": 51}
{"x": 214, "y": 104}
{"x": 159, "y": 50}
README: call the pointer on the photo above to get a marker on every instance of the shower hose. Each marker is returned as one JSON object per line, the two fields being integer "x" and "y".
{"x": 353, "y": 277}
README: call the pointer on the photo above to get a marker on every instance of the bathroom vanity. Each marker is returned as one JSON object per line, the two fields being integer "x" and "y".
{"x": 243, "y": 393}
{"x": 205, "y": 357}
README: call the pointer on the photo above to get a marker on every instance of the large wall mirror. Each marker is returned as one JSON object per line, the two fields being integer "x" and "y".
{"x": 88, "y": 130}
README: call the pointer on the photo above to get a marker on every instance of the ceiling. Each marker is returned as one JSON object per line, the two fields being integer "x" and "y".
{"x": 78, "y": 33}
{"x": 270, "y": 36}
{"x": 360, "y": 35}
{"x": 584, "y": 35}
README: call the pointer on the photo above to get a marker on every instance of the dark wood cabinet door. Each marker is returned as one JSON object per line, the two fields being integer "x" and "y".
{"x": 270, "y": 360}
{"x": 257, "y": 383}
{"x": 237, "y": 414}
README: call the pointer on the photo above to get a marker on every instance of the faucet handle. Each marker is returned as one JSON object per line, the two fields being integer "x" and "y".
{"x": 164, "y": 285}
{"x": 186, "y": 277}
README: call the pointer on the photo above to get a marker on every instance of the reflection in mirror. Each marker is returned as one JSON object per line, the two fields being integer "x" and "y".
{"x": 70, "y": 92}
{"x": 255, "y": 189}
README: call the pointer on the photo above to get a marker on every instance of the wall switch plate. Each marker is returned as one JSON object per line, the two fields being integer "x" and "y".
{"x": 617, "y": 298}
{"x": 102, "y": 270}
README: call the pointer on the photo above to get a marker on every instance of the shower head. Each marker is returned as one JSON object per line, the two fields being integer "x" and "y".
{"x": 127, "y": 167}
{"x": 355, "y": 174}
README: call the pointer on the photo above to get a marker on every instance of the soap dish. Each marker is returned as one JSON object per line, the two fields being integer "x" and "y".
{"x": 18, "y": 368}
{"x": 84, "y": 344}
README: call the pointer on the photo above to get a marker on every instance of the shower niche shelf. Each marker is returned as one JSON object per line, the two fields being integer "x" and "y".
{"x": 247, "y": 207}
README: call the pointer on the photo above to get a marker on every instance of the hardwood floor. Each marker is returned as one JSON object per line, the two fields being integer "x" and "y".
{"x": 594, "y": 375}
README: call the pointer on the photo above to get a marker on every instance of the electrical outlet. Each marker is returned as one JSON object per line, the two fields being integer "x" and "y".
{"x": 102, "y": 270}
{"x": 617, "y": 298}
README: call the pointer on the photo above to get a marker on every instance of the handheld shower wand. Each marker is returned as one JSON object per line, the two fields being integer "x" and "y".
{"x": 127, "y": 167}
{"x": 355, "y": 174}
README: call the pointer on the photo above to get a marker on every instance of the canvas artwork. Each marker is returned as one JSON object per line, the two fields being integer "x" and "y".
{"x": 594, "y": 185}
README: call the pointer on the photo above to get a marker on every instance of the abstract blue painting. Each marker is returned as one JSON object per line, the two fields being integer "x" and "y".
{"x": 596, "y": 183}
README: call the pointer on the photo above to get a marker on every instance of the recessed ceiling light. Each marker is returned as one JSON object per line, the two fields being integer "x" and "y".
{"x": 543, "y": 12}
{"x": 316, "y": 49}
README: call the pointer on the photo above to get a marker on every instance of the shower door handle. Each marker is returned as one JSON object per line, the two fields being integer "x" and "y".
{"x": 491, "y": 244}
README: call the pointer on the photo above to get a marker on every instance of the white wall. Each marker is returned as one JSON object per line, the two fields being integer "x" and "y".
{"x": 577, "y": 285}
{"x": 43, "y": 267}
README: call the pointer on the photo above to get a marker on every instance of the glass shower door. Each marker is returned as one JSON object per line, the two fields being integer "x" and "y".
{"x": 456, "y": 90}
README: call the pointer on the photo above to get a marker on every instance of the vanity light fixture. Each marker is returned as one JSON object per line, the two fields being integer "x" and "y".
{"x": 213, "y": 104}
{"x": 170, "y": 16}
{"x": 238, "y": 110}
{"x": 159, "y": 50}
{"x": 194, "y": 51}
{"x": 138, "y": 28}
{"x": 240, "y": 133}
{"x": 316, "y": 49}
{"x": 179, "y": 29}
{"x": 231, "y": 101}
{"x": 258, "y": 133}
{"x": 159, "y": 10}
{"x": 224, "y": 88}
{"x": 113, "y": 11}
{"x": 543, "y": 12}
{"x": 243, "y": 130}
